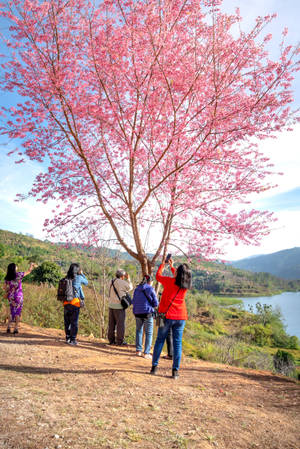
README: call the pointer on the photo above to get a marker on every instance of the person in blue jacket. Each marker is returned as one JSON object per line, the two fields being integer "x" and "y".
{"x": 144, "y": 301}
{"x": 72, "y": 308}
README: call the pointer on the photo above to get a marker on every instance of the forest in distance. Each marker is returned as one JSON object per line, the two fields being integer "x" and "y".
{"x": 218, "y": 328}
{"x": 214, "y": 277}
{"x": 284, "y": 263}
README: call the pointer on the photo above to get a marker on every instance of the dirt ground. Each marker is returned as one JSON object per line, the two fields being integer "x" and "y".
{"x": 99, "y": 396}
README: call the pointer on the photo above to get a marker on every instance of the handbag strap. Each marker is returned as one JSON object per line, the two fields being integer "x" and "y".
{"x": 171, "y": 302}
{"x": 116, "y": 291}
{"x": 147, "y": 298}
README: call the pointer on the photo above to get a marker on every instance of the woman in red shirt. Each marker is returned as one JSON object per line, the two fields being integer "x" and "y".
{"x": 172, "y": 304}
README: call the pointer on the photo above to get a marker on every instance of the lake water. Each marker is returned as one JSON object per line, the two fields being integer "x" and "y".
{"x": 289, "y": 304}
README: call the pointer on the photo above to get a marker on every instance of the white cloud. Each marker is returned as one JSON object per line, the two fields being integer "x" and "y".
{"x": 285, "y": 234}
{"x": 284, "y": 153}
{"x": 25, "y": 216}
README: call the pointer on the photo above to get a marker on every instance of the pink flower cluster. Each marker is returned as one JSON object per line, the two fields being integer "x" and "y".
{"x": 145, "y": 113}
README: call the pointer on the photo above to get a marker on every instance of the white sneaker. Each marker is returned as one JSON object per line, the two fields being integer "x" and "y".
{"x": 147, "y": 356}
{"x": 138, "y": 353}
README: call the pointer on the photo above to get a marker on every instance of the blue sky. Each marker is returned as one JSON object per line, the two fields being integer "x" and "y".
{"x": 285, "y": 201}
{"x": 284, "y": 152}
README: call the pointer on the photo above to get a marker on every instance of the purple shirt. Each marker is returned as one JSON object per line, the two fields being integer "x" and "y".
{"x": 14, "y": 288}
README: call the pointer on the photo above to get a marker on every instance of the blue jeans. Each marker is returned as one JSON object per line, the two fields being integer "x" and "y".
{"x": 140, "y": 323}
{"x": 177, "y": 327}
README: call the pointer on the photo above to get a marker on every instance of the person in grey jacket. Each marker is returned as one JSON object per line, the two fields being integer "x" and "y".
{"x": 116, "y": 313}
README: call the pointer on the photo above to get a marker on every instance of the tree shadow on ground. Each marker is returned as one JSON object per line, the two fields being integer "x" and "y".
{"x": 45, "y": 340}
{"x": 48, "y": 370}
{"x": 252, "y": 376}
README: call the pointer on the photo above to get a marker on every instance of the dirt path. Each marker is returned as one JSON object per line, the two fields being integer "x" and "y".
{"x": 98, "y": 396}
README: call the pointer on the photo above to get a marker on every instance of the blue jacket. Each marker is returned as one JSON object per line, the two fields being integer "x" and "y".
{"x": 79, "y": 279}
{"x": 141, "y": 304}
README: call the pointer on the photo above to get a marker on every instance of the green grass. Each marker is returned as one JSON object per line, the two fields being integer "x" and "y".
{"x": 227, "y": 301}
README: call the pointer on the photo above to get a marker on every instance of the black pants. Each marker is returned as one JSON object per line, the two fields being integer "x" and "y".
{"x": 71, "y": 317}
{"x": 116, "y": 321}
{"x": 170, "y": 343}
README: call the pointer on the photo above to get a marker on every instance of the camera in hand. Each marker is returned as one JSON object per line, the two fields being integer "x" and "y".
{"x": 168, "y": 258}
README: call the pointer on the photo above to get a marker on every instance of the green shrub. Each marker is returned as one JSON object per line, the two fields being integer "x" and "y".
{"x": 259, "y": 360}
{"x": 191, "y": 304}
{"x": 203, "y": 298}
{"x": 230, "y": 350}
{"x": 282, "y": 340}
{"x": 2, "y": 275}
{"x": 46, "y": 273}
{"x": 266, "y": 314}
{"x": 206, "y": 351}
{"x": 293, "y": 342}
{"x": 41, "y": 307}
{"x": 191, "y": 350}
{"x": 284, "y": 363}
{"x": 257, "y": 333}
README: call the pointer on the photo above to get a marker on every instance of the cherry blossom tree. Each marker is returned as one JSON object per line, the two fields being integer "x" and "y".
{"x": 146, "y": 113}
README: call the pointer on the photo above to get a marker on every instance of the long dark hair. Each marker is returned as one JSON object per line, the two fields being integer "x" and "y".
{"x": 146, "y": 279}
{"x": 183, "y": 276}
{"x": 11, "y": 272}
{"x": 73, "y": 270}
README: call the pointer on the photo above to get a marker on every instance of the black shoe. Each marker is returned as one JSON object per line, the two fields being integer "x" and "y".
{"x": 8, "y": 330}
{"x": 175, "y": 373}
{"x": 153, "y": 370}
{"x": 124, "y": 343}
{"x": 112, "y": 343}
{"x": 16, "y": 331}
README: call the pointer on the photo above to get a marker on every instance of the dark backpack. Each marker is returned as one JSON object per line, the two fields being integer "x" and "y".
{"x": 65, "y": 290}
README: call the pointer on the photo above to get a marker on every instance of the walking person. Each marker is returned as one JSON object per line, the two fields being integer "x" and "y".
{"x": 116, "y": 314}
{"x": 72, "y": 308}
{"x": 14, "y": 294}
{"x": 173, "y": 306}
{"x": 144, "y": 302}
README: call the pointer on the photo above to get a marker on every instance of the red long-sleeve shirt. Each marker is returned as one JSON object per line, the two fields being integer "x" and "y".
{"x": 177, "y": 310}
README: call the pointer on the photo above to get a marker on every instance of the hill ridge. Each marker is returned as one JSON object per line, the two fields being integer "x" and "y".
{"x": 284, "y": 263}
{"x": 214, "y": 277}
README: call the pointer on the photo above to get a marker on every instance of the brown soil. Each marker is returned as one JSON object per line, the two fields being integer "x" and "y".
{"x": 100, "y": 396}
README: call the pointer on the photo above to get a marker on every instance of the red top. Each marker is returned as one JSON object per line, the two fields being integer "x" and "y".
{"x": 177, "y": 310}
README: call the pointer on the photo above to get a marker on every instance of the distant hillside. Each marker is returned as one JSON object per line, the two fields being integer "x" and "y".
{"x": 284, "y": 264}
{"x": 23, "y": 249}
{"x": 217, "y": 278}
